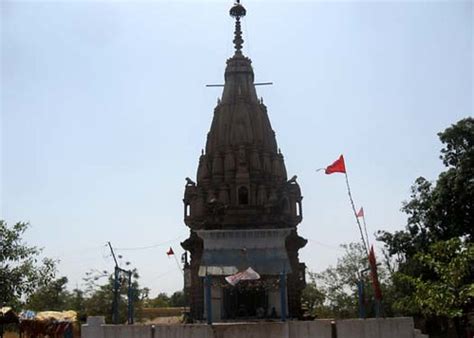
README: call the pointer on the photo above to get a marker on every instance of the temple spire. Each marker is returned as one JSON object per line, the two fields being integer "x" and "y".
{"x": 238, "y": 11}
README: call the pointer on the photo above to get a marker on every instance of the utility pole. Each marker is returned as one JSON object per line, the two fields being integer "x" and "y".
{"x": 116, "y": 288}
{"x": 115, "y": 303}
{"x": 130, "y": 298}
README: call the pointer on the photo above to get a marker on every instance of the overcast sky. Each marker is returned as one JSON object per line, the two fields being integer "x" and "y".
{"x": 105, "y": 112}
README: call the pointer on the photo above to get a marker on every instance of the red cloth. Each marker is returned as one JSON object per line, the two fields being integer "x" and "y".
{"x": 337, "y": 167}
{"x": 373, "y": 273}
{"x": 361, "y": 212}
{"x": 170, "y": 252}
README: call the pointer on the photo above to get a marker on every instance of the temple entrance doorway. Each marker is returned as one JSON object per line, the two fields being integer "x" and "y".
{"x": 245, "y": 303}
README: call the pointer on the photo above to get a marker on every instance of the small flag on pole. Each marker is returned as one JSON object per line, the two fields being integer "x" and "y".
{"x": 361, "y": 212}
{"x": 170, "y": 252}
{"x": 337, "y": 167}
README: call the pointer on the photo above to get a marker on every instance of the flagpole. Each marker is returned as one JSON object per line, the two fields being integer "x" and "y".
{"x": 365, "y": 229}
{"x": 177, "y": 263}
{"x": 355, "y": 212}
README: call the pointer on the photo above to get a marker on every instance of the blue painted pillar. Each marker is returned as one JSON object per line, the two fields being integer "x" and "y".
{"x": 360, "y": 291}
{"x": 283, "y": 296}
{"x": 207, "y": 283}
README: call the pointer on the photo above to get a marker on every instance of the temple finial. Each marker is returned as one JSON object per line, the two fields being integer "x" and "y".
{"x": 238, "y": 11}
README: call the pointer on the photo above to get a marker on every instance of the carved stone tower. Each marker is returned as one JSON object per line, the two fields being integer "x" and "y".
{"x": 242, "y": 211}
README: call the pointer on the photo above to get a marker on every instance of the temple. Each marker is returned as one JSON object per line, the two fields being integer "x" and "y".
{"x": 242, "y": 210}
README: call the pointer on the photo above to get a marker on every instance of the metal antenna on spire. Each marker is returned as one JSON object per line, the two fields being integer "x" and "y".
{"x": 255, "y": 84}
{"x": 238, "y": 11}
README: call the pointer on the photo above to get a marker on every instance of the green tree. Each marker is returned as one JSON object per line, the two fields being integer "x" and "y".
{"x": 49, "y": 297}
{"x": 162, "y": 300}
{"x": 443, "y": 210}
{"x": 339, "y": 284}
{"x": 99, "y": 302}
{"x": 312, "y": 297}
{"x": 435, "y": 244}
{"x": 178, "y": 299}
{"x": 20, "y": 270}
{"x": 99, "y": 298}
{"x": 448, "y": 294}
{"x": 76, "y": 301}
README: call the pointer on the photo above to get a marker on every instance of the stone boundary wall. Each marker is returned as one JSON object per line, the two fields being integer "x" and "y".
{"x": 400, "y": 327}
{"x": 351, "y": 328}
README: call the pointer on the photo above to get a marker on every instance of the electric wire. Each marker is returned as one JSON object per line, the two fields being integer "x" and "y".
{"x": 150, "y": 246}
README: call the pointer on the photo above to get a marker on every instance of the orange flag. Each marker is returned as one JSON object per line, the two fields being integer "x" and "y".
{"x": 337, "y": 167}
{"x": 170, "y": 252}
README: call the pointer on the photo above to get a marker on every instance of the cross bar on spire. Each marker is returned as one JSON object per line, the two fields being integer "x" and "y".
{"x": 255, "y": 84}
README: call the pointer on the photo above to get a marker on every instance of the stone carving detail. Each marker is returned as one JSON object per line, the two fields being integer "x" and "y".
{"x": 273, "y": 198}
{"x": 211, "y": 197}
{"x": 242, "y": 158}
{"x": 199, "y": 206}
{"x": 261, "y": 195}
{"x": 276, "y": 168}
{"x": 217, "y": 165}
{"x": 255, "y": 159}
{"x": 282, "y": 167}
{"x": 224, "y": 195}
{"x": 190, "y": 182}
{"x": 267, "y": 164}
{"x": 229, "y": 163}
{"x": 203, "y": 170}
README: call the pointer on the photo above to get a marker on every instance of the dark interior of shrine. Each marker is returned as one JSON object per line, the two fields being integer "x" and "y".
{"x": 245, "y": 303}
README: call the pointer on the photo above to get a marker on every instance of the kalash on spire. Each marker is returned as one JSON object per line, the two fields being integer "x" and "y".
{"x": 242, "y": 210}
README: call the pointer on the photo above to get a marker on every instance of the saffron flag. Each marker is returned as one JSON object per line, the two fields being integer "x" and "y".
{"x": 374, "y": 275}
{"x": 170, "y": 252}
{"x": 249, "y": 274}
{"x": 337, "y": 167}
{"x": 361, "y": 212}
